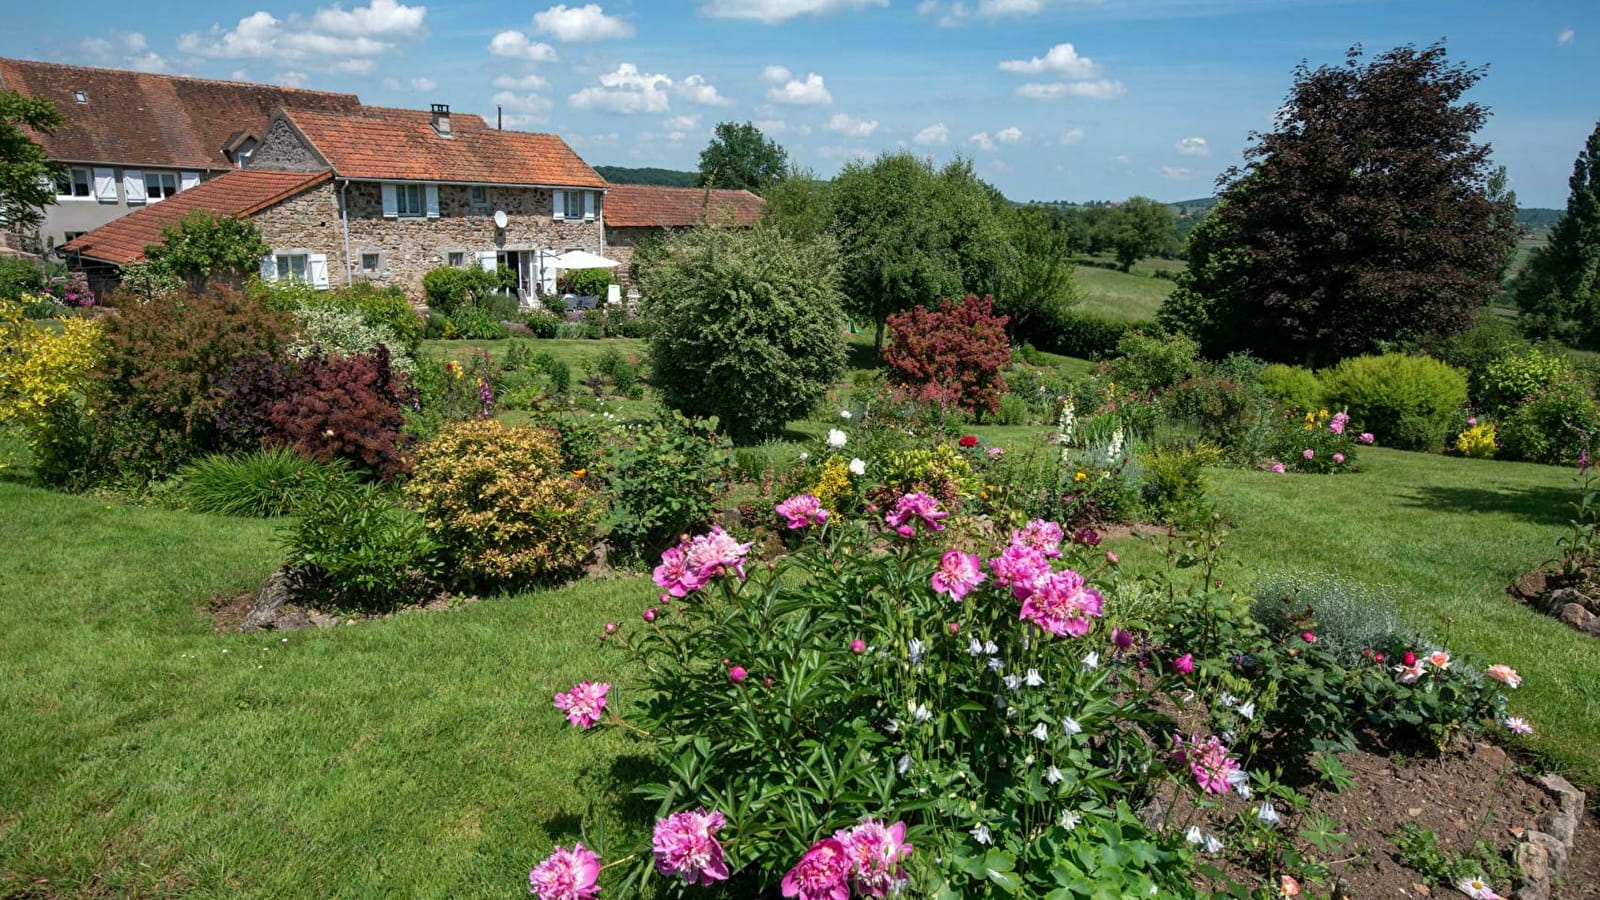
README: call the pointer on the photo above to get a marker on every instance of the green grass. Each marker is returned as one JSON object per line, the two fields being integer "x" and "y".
{"x": 577, "y": 353}
{"x": 1120, "y": 295}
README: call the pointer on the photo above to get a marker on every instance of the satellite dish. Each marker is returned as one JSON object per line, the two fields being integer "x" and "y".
{"x": 499, "y": 218}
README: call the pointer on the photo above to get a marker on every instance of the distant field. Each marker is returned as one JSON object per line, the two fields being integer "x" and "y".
{"x": 1120, "y": 295}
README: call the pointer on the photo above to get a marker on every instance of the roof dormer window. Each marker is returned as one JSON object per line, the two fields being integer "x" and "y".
{"x": 81, "y": 96}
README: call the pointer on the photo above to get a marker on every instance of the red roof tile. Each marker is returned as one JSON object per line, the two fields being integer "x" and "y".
{"x": 400, "y": 144}
{"x": 136, "y": 118}
{"x": 241, "y": 192}
{"x": 638, "y": 205}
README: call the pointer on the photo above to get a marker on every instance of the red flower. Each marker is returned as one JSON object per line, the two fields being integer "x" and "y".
{"x": 968, "y": 440}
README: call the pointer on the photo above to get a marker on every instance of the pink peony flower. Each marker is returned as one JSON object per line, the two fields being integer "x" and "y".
{"x": 611, "y": 628}
{"x": 1366, "y": 437}
{"x": 913, "y": 508}
{"x": 953, "y": 627}
{"x": 1309, "y": 453}
{"x": 958, "y": 574}
{"x": 1409, "y": 658}
{"x": 1184, "y": 664}
{"x": 1472, "y": 421}
{"x": 996, "y": 452}
{"x": 1020, "y": 568}
{"x": 737, "y": 674}
{"x": 1337, "y": 424}
{"x": 858, "y": 646}
{"x": 566, "y": 874}
{"x": 715, "y": 554}
{"x": 675, "y": 575}
{"x": 1040, "y": 535}
{"x": 685, "y": 845}
{"x": 1505, "y": 675}
{"x": 1338, "y": 459}
{"x": 584, "y": 703}
{"x": 875, "y": 851}
{"x": 1209, "y": 762}
{"x": 1279, "y": 467}
{"x": 1111, "y": 557}
{"x": 802, "y": 510}
{"x": 1062, "y": 604}
{"x": 823, "y": 873}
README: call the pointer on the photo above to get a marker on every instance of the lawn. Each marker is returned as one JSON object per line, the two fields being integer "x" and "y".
{"x": 1120, "y": 295}
{"x": 419, "y": 756}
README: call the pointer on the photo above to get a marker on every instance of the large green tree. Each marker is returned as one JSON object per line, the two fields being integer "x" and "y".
{"x": 1139, "y": 228}
{"x": 1559, "y": 289}
{"x": 910, "y": 234}
{"x": 740, "y": 156}
{"x": 1040, "y": 288}
{"x": 1367, "y": 216}
{"x": 27, "y": 176}
{"x": 797, "y": 205}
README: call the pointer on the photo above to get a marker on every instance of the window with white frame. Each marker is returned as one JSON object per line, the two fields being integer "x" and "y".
{"x": 576, "y": 204}
{"x": 160, "y": 185}
{"x": 410, "y": 200}
{"x": 75, "y": 183}
{"x": 456, "y": 259}
{"x": 291, "y": 266}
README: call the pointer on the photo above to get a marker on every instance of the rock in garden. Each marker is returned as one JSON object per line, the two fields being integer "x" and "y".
{"x": 1578, "y": 617}
{"x": 269, "y": 603}
{"x": 323, "y": 620}
{"x": 1529, "y": 587}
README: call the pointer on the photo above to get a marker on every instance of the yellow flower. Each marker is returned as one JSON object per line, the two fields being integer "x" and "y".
{"x": 1323, "y": 414}
{"x": 1080, "y": 477}
{"x": 580, "y": 473}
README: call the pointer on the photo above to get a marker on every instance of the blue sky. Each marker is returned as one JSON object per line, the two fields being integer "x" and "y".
{"x": 1053, "y": 99}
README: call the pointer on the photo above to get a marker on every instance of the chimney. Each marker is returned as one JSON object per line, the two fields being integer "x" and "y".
{"x": 441, "y": 119}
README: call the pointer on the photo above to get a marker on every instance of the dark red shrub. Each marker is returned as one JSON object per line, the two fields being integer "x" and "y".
{"x": 952, "y": 355}
{"x": 346, "y": 408}
{"x": 247, "y": 392}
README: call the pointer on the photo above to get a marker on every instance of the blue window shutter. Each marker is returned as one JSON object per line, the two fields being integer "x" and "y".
{"x": 391, "y": 205}
{"x": 433, "y": 201}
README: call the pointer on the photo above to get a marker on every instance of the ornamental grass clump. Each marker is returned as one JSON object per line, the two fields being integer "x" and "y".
{"x": 500, "y": 502}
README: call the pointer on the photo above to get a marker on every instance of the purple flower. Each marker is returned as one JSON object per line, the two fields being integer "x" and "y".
{"x": 875, "y": 851}
{"x": 1278, "y": 467}
{"x": 1041, "y": 535}
{"x": 1184, "y": 664}
{"x": 1019, "y": 568}
{"x": 1309, "y": 453}
{"x": 567, "y": 874}
{"x": 1366, "y": 437}
{"x": 913, "y": 508}
{"x": 584, "y": 703}
{"x": 802, "y": 510}
{"x": 685, "y": 845}
{"x": 1338, "y": 459}
{"x": 823, "y": 873}
{"x": 1209, "y": 762}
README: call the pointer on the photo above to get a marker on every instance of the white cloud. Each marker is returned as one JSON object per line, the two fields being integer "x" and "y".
{"x": 1176, "y": 172}
{"x": 135, "y": 42}
{"x": 696, "y": 89}
{"x": 811, "y": 92}
{"x": 98, "y": 48}
{"x": 328, "y": 36}
{"x": 581, "y": 24}
{"x": 1103, "y": 89}
{"x": 846, "y": 124}
{"x": 147, "y": 62}
{"x": 1192, "y": 146}
{"x": 1062, "y": 59}
{"x": 1071, "y": 138}
{"x": 927, "y": 7}
{"x": 682, "y": 123}
{"x": 779, "y": 126}
{"x": 414, "y": 84}
{"x": 934, "y": 135}
{"x": 290, "y": 79}
{"x": 983, "y": 140}
{"x": 135, "y": 52}
{"x": 1009, "y": 7}
{"x": 1565, "y": 37}
{"x": 355, "y": 66}
{"x": 627, "y": 91}
{"x": 771, "y": 12}
{"x": 529, "y": 82}
{"x": 523, "y": 109}
{"x": 776, "y": 74}
{"x": 1120, "y": 159}
{"x": 1009, "y": 136}
{"x": 516, "y": 45}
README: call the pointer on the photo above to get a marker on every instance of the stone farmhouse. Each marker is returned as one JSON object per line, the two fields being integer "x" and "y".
{"x": 132, "y": 140}
{"x": 637, "y": 213}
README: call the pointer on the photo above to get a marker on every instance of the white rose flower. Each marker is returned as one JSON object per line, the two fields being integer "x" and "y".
{"x": 858, "y": 467}
{"x": 836, "y": 438}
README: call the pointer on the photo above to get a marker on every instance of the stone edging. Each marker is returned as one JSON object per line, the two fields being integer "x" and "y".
{"x": 1542, "y": 853}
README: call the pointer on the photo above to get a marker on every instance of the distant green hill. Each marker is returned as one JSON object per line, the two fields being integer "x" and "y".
{"x": 652, "y": 176}
{"x": 1537, "y": 218}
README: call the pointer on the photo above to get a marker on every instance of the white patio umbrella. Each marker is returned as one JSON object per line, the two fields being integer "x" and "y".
{"x": 583, "y": 259}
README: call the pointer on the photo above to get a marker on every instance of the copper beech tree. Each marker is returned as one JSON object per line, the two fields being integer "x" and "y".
{"x": 951, "y": 355}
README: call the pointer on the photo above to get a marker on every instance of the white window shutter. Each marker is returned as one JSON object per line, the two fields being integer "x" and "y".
{"x": 391, "y": 204}
{"x": 488, "y": 260}
{"x": 269, "y": 268}
{"x": 560, "y": 200}
{"x": 105, "y": 185}
{"x": 432, "y": 190}
{"x": 317, "y": 270}
{"x": 588, "y": 204}
{"x": 188, "y": 180}
{"x": 133, "y": 186}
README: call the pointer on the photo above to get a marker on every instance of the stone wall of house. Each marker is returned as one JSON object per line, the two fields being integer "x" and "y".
{"x": 407, "y": 248}
{"x": 620, "y": 244}
{"x": 283, "y": 148}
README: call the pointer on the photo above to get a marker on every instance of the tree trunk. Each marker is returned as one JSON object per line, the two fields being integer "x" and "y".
{"x": 877, "y": 339}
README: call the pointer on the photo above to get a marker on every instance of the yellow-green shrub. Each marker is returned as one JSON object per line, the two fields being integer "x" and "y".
{"x": 1407, "y": 401}
{"x": 1293, "y": 387}
{"x": 42, "y": 367}
{"x": 497, "y": 498}
{"x": 1477, "y": 442}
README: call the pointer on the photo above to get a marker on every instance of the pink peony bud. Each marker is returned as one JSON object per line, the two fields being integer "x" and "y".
{"x": 1184, "y": 663}
{"x": 1410, "y": 659}
{"x": 649, "y": 614}
{"x": 1111, "y": 557}
{"x": 611, "y": 628}
{"x": 953, "y": 627}
{"x": 1122, "y": 639}
{"x": 1308, "y": 637}
{"x": 858, "y": 646}
{"x": 737, "y": 674}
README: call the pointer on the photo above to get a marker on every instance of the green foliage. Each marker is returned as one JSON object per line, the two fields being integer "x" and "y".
{"x": 500, "y": 502}
{"x": 1553, "y": 426}
{"x": 798, "y": 205}
{"x": 589, "y": 282}
{"x": 543, "y": 323}
{"x": 1040, "y": 289}
{"x": 338, "y": 331}
{"x": 1153, "y": 363}
{"x": 448, "y": 288}
{"x": 20, "y": 276}
{"x": 1510, "y": 380}
{"x": 747, "y": 326}
{"x": 1420, "y": 852}
{"x": 620, "y": 371}
{"x": 1175, "y": 487}
{"x": 646, "y": 175}
{"x": 665, "y": 478}
{"x": 143, "y": 281}
{"x": 1473, "y": 350}
{"x": 740, "y": 156}
{"x": 262, "y": 483}
{"x": 202, "y": 246}
{"x": 1140, "y": 227}
{"x": 473, "y": 323}
{"x": 1292, "y": 387}
{"x": 1089, "y": 336}
{"x": 353, "y": 548}
{"x": 1349, "y": 619}
{"x": 557, "y": 370}
{"x": 1558, "y": 290}
{"x": 1407, "y": 401}
{"x": 27, "y": 176}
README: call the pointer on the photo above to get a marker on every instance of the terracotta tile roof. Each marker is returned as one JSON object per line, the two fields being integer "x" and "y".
{"x": 638, "y": 205}
{"x": 137, "y": 118}
{"x": 242, "y": 192}
{"x": 400, "y": 144}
